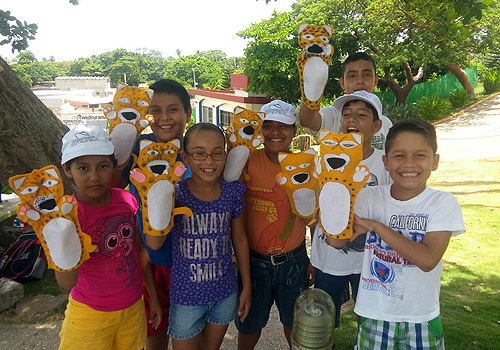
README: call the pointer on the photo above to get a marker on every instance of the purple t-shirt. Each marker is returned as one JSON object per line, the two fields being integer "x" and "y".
{"x": 202, "y": 269}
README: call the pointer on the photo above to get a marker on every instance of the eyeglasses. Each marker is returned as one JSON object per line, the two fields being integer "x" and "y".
{"x": 204, "y": 155}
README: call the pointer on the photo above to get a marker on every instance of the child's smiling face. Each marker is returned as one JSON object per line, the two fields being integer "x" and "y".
{"x": 208, "y": 144}
{"x": 357, "y": 117}
{"x": 409, "y": 161}
{"x": 169, "y": 116}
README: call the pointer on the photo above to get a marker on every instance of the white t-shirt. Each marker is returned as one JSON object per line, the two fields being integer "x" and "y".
{"x": 346, "y": 261}
{"x": 331, "y": 118}
{"x": 392, "y": 288}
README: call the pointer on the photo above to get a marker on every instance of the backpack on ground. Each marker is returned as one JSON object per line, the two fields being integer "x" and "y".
{"x": 24, "y": 260}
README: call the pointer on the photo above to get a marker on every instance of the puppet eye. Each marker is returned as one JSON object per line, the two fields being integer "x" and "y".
{"x": 305, "y": 165}
{"x": 124, "y": 100}
{"x": 29, "y": 190}
{"x": 142, "y": 103}
{"x": 290, "y": 168}
{"x": 348, "y": 144}
{"x": 324, "y": 38}
{"x": 244, "y": 121}
{"x": 253, "y": 122}
{"x": 50, "y": 183}
{"x": 153, "y": 152}
{"x": 169, "y": 151}
{"x": 330, "y": 143}
{"x": 308, "y": 36}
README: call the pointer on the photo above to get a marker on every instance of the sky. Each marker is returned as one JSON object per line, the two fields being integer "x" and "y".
{"x": 68, "y": 32}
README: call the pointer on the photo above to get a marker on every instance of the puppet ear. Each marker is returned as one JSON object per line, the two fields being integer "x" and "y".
{"x": 261, "y": 115}
{"x": 328, "y": 28}
{"x": 310, "y": 151}
{"x": 16, "y": 181}
{"x": 302, "y": 26}
{"x": 176, "y": 143}
{"x": 357, "y": 137}
{"x": 120, "y": 85}
{"x": 281, "y": 156}
{"x": 145, "y": 143}
{"x": 322, "y": 134}
{"x": 52, "y": 171}
{"x": 238, "y": 110}
{"x": 150, "y": 93}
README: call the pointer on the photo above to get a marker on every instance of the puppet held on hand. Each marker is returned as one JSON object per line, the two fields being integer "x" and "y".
{"x": 340, "y": 179}
{"x": 313, "y": 62}
{"x": 127, "y": 118}
{"x": 242, "y": 139}
{"x": 54, "y": 216}
{"x": 298, "y": 181}
{"x": 155, "y": 177}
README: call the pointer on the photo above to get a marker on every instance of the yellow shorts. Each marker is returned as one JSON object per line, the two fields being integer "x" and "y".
{"x": 86, "y": 328}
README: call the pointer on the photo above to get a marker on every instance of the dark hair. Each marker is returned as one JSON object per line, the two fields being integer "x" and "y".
{"x": 417, "y": 126}
{"x": 111, "y": 156}
{"x": 169, "y": 86}
{"x": 203, "y": 127}
{"x": 369, "y": 105}
{"x": 358, "y": 56}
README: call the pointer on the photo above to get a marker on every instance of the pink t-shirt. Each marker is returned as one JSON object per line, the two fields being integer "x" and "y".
{"x": 111, "y": 279}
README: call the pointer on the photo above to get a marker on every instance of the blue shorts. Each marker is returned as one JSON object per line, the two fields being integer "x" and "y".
{"x": 186, "y": 321}
{"x": 337, "y": 287}
{"x": 281, "y": 283}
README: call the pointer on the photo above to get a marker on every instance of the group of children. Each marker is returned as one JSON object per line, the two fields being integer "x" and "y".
{"x": 393, "y": 263}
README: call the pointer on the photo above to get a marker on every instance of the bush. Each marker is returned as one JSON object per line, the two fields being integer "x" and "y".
{"x": 491, "y": 81}
{"x": 398, "y": 112}
{"x": 459, "y": 98}
{"x": 433, "y": 107}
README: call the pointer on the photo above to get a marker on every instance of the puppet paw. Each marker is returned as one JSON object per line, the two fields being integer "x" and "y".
{"x": 68, "y": 205}
{"x": 179, "y": 170}
{"x": 360, "y": 174}
{"x": 109, "y": 111}
{"x": 137, "y": 175}
{"x": 29, "y": 213}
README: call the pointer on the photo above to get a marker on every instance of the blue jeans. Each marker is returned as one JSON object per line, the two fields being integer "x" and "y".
{"x": 336, "y": 286}
{"x": 281, "y": 283}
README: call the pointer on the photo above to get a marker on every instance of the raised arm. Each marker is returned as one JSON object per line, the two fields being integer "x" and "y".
{"x": 67, "y": 279}
{"x": 309, "y": 118}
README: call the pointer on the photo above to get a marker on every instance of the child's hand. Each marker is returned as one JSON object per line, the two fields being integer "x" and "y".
{"x": 155, "y": 313}
{"x": 245, "y": 303}
{"x": 311, "y": 271}
{"x": 362, "y": 226}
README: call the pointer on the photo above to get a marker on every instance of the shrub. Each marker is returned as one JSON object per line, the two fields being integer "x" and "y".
{"x": 398, "y": 112}
{"x": 459, "y": 98}
{"x": 433, "y": 107}
{"x": 491, "y": 81}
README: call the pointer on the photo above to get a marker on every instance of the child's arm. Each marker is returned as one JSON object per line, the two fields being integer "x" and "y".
{"x": 66, "y": 279}
{"x": 155, "y": 314}
{"x": 242, "y": 252}
{"x": 155, "y": 242}
{"x": 426, "y": 255}
{"x": 309, "y": 118}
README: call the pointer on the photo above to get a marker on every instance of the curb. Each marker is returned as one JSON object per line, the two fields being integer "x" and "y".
{"x": 495, "y": 94}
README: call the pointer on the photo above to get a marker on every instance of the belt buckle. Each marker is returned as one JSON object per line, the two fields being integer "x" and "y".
{"x": 279, "y": 261}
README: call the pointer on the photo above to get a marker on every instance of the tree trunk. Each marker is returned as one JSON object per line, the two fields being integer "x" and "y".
{"x": 462, "y": 78}
{"x": 402, "y": 93}
{"x": 30, "y": 134}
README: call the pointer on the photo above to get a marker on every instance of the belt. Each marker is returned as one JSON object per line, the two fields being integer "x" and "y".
{"x": 278, "y": 259}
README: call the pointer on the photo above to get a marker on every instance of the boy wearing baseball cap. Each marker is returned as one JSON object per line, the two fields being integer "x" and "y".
{"x": 336, "y": 268}
{"x": 278, "y": 257}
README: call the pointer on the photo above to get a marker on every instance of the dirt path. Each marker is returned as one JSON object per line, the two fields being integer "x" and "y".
{"x": 465, "y": 142}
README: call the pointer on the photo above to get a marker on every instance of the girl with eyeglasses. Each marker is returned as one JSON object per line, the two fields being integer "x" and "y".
{"x": 204, "y": 289}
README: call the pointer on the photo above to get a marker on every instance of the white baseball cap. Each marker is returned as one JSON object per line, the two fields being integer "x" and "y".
{"x": 85, "y": 140}
{"x": 280, "y": 111}
{"x": 362, "y": 95}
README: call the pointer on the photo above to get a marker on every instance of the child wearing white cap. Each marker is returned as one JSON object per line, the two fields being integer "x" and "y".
{"x": 278, "y": 257}
{"x": 336, "y": 268}
{"x": 107, "y": 287}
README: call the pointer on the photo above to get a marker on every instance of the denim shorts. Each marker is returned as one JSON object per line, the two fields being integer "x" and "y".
{"x": 186, "y": 321}
{"x": 274, "y": 283}
{"x": 338, "y": 288}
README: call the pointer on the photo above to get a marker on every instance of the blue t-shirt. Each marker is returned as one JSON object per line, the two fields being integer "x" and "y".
{"x": 162, "y": 256}
{"x": 202, "y": 271}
